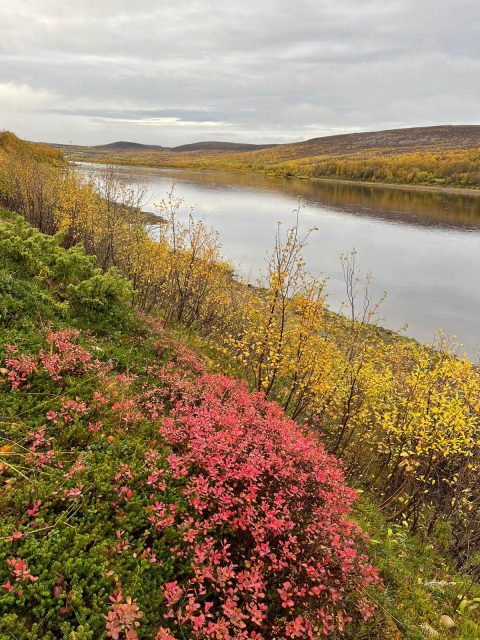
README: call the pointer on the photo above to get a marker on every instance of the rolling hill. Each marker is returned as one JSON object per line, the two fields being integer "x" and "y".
{"x": 129, "y": 146}
{"x": 222, "y": 146}
{"x": 440, "y": 155}
{"x": 389, "y": 142}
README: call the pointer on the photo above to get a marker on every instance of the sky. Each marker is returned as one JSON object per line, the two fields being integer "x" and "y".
{"x": 157, "y": 72}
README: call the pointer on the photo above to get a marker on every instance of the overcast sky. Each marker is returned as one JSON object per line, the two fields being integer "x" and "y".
{"x": 95, "y": 71}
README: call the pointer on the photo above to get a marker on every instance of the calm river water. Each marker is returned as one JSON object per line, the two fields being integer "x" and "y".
{"x": 422, "y": 248}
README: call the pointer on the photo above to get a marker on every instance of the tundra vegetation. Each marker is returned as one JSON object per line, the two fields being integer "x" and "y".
{"x": 147, "y": 492}
{"x": 435, "y": 156}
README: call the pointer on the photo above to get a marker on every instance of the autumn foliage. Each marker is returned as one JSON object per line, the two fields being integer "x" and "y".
{"x": 210, "y": 495}
{"x": 263, "y": 526}
{"x": 404, "y": 417}
{"x": 450, "y": 157}
{"x": 237, "y": 514}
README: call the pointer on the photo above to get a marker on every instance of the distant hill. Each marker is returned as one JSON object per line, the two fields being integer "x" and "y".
{"x": 222, "y": 146}
{"x": 390, "y": 141}
{"x": 132, "y": 147}
{"x": 447, "y": 155}
{"x": 129, "y": 146}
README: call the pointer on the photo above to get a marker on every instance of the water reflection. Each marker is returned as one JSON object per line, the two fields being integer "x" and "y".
{"x": 423, "y": 248}
{"x": 424, "y": 208}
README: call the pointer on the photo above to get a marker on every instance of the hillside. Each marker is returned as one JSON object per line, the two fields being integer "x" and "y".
{"x": 222, "y": 146}
{"x": 388, "y": 142}
{"x": 134, "y": 146}
{"x": 134, "y": 475}
{"x": 177, "y": 448}
{"x": 146, "y": 495}
{"x": 11, "y": 145}
{"x": 441, "y": 155}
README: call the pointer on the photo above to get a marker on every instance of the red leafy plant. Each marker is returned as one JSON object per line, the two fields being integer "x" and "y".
{"x": 64, "y": 356}
{"x": 123, "y": 617}
{"x": 253, "y": 509}
{"x": 20, "y": 573}
{"x": 263, "y": 527}
{"x": 18, "y": 367}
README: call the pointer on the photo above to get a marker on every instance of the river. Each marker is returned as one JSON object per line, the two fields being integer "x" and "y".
{"x": 422, "y": 248}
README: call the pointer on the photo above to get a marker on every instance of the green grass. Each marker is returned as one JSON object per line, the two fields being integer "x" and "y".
{"x": 419, "y": 584}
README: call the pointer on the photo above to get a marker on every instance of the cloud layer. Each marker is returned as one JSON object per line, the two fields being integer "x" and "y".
{"x": 93, "y": 72}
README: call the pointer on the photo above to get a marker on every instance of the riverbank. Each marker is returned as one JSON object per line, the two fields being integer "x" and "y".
{"x": 434, "y": 157}
{"x": 458, "y": 191}
{"x": 392, "y": 231}
{"x": 425, "y": 188}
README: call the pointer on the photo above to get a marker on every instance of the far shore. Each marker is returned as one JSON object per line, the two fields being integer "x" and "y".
{"x": 449, "y": 190}
{"x": 459, "y": 191}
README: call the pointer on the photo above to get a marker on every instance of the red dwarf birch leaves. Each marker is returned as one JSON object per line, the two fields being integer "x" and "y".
{"x": 263, "y": 525}
{"x": 250, "y": 506}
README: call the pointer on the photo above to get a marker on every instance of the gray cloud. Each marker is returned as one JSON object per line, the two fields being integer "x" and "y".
{"x": 275, "y": 70}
